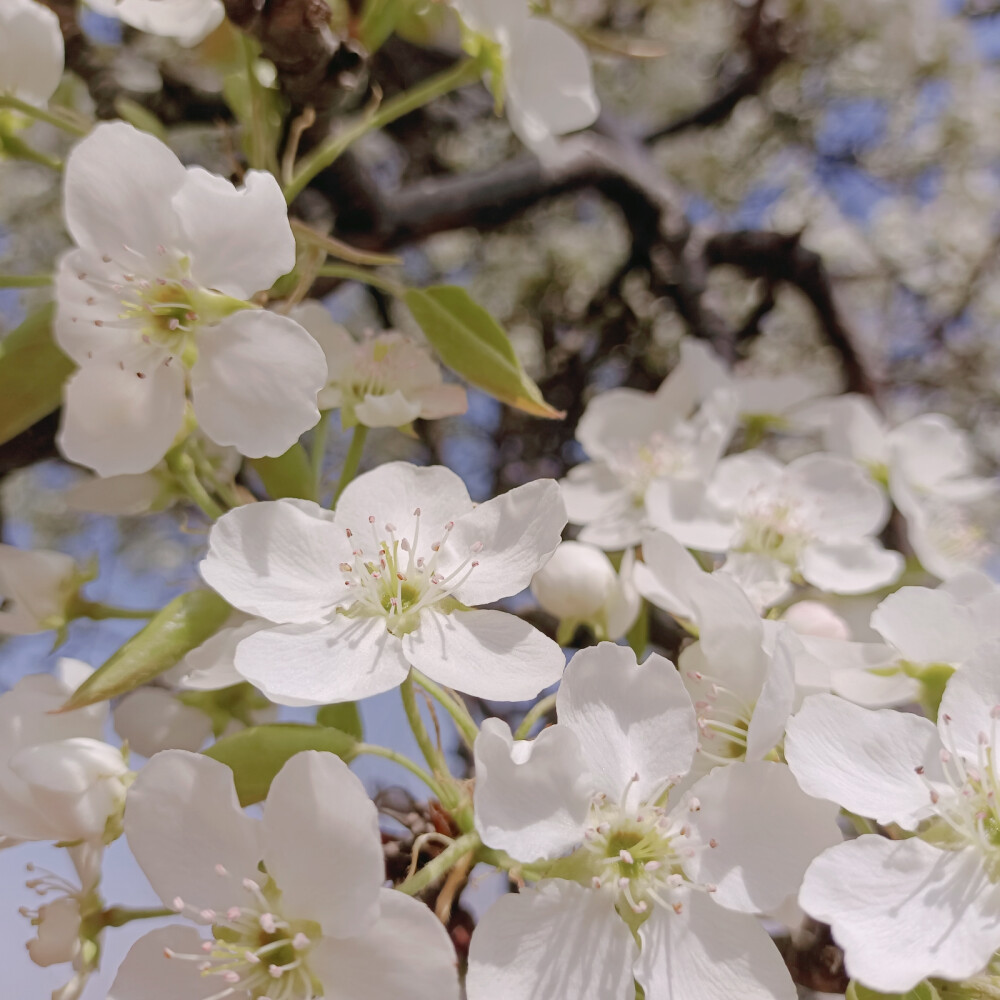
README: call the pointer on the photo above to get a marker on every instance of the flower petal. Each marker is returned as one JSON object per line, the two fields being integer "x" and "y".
{"x": 392, "y": 410}
{"x": 557, "y": 940}
{"x": 119, "y": 183}
{"x": 766, "y": 829}
{"x": 839, "y": 498}
{"x": 864, "y": 760}
{"x": 182, "y": 819}
{"x": 31, "y": 51}
{"x": 517, "y": 532}
{"x": 122, "y": 415}
{"x": 926, "y": 626}
{"x": 850, "y": 567}
{"x": 903, "y": 910}
{"x": 322, "y": 844}
{"x": 630, "y": 719}
{"x": 707, "y": 953}
{"x": 488, "y": 654}
{"x": 405, "y": 953}
{"x": 526, "y": 796}
{"x": 255, "y": 382}
{"x": 971, "y": 703}
{"x": 346, "y": 659}
{"x": 277, "y": 560}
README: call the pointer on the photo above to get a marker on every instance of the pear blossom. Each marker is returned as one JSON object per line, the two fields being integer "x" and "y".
{"x": 37, "y": 590}
{"x": 815, "y": 518}
{"x": 539, "y": 71}
{"x": 385, "y": 380}
{"x": 927, "y": 905}
{"x": 387, "y": 582}
{"x": 151, "y": 719}
{"x": 928, "y": 465}
{"x": 186, "y": 21}
{"x": 292, "y": 902}
{"x": 152, "y": 304}
{"x": 635, "y": 439}
{"x": 623, "y": 861}
{"x": 58, "y": 779}
{"x": 580, "y": 586}
{"x": 31, "y": 51}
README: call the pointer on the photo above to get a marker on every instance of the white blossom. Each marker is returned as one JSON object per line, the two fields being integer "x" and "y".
{"x": 293, "y": 901}
{"x": 186, "y": 21}
{"x": 580, "y": 586}
{"x": 926, "y": 905}
{"x": 152, "y": 306}
{"x": 37, "y": 590}
{"x": 31, "y": 51}
{"x": 387, "y": 582}
{"x": 384, "y": 380}
{"x": 151, "y": 719}
{"x": 684, "y": 875}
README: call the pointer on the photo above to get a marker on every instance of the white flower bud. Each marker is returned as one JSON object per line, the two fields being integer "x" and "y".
{"x": 815, "y": 618}
{"x": 152, "y": 719}
{"x": 36, "y": 589}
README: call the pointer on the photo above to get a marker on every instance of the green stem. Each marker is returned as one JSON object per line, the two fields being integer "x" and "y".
{"x": 259, "y": 154}
{"x": 318, "y": 451}
{"x": 452, "y": 705}
{"x": 352, "y": 461}
{"x": 25, "y": 280}
{"x": 396, "y": 107}
{"x": 118, "y": 916}
{"x": 183, "y": 468}
{"x": 538, "y": 710}
{"x": 67, "y": 125}
{"x": 15, "y": 146}
{"x": 431, "y": 753}
{"x": 373, "y": 750}
{"x": 441, "y": 865}
{"x": 348, "y": 273}
{"x": 99, "y": 612}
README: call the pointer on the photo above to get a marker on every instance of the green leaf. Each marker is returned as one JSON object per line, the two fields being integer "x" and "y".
{"x": 343, "y": 716}
{"x": 187, "y": 621}
{"x": 32, "y": 372}
{"x": 257, "y": 754}
{"x": 288, "y": 475}
{"x": 379, "y": 19}
{"x": 471, "y": 342}
{"x": 922, "y": 991}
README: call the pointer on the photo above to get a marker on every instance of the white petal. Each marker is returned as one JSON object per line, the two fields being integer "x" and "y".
{"x": 392, "y": 410}
{"x": 405, "y": 953}
{"x": 614, "y": 422}
{"x": 777, "y": 698}
{"x": 31, "y": 51}
{"x": 550, "y": 90}
{"x": 929, "y": 450}
{"x": 212, "y": 665}
{"x": 152, "y": 719}
{"x": 864, "y": 760}
{"x": 667, "y": 573}
{"x": 35, "y": 586}
{"x": 681, "y": 509}
{"x": 926, "y": 626}
{"x": 187, "y": 21}
{"x": 630, "y": 719}
{"x": 182, "y": 819}
{"x": 850, "y": 568}
{"x": 119, "y": 419}
{"x": 147, "y": 974}
{"x": 739, "y": 475}
{"x": 707, "y": 953}
{"x": 592, "y": 491}
{"x": 239, "y": 239}
{"x": 119, "y": 183}
{"x": 767, "y": 831}
{"x": 971, "y": 703}
{"x": 392, "y": 493}
{"x": 348, "y": 658}
{"x": 322, "y": 844}
{"x": 904, "y": 910}
{"x": 841, "y": 501}
{"x": 122, "y": 496}
{"x": 558, "y": 940}
{"x": 517, "y": 531}
{"x": 277, "y": 560}
{"x": 255, "y": 382}
{"x": 488, "y": 654}
{"x": 526, "y": 796}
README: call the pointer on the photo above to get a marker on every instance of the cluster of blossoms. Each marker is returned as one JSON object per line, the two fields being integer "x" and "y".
{"x": 820, "y": 743}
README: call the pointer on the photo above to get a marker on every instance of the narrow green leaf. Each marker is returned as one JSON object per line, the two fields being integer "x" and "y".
{"x": 187, "y": 621}
{"x": 471, "y": 342}
{"x": 257, "y": 754}
{"x": 288, "y": 475}
{"x": 344, "y": 716}
{"x": 922, "y": 991}
{"x": 32, "y": 372}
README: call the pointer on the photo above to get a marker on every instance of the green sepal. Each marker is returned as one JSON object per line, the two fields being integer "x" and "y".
{"x": 186, "y": 622}
{"x": 471, "y": 343}
{"x": 288, "y": 475}
{"x": 222, "y": 705}
{"x": 32, "y": 372}
{"x": 257, "y": 754}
